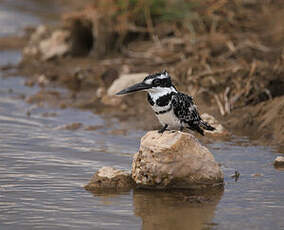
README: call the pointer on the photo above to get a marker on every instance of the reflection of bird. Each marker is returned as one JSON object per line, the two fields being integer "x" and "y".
{"x": 174, "y": 110}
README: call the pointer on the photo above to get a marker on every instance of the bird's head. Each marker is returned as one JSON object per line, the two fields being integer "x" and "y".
{"x": 153, "y": 83}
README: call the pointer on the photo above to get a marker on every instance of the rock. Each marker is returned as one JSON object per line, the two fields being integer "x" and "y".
{"x": 108, "y": 178}
{"x": 279, "y": 161}
{"x": 40, "y": 33}
{"x": 42, "y": 80}
{"x": 111, "y": 100}
{"x": 100, "y": 92}
{"x": 174, "y": 160}
{"x": 72, "y": 126}
{"x": 219, "y": 129}
{"x": 30, "y": 50}
{"x": 55, "y": 46}
{"x": 124, "y": 81}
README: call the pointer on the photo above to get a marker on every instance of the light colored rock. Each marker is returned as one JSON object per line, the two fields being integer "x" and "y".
{"x": 39, "y": 34}
{"x": 219, "y": 129}
{"x": 124, "y": 81}
{"x": 174, "y": 160}
{"x": 109, "y": 178}
{"x": 100, "y": 92}
{"x": 30, "y": 50}
{"x": 111, "y": 100}
{"x": 55, "y": 46}
{"x": 42, "y": 80}
{"x": 279, "y": 161}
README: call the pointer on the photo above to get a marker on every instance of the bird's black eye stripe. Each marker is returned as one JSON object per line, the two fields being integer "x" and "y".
{"x": 166, "y": 82}
{"x": 156, "y": 82}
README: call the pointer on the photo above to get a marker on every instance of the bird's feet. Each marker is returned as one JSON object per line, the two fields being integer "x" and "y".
{"x": 163, "y": 129}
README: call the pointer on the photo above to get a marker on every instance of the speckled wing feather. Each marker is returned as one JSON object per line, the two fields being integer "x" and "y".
{"x": 185, "y": 109}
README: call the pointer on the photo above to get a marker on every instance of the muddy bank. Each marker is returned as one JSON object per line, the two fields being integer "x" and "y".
{"x": 231, "y": 62}
{"x": 262, "y": 122}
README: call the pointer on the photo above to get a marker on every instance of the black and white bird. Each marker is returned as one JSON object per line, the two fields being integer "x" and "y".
{"x": 174, "y": 109}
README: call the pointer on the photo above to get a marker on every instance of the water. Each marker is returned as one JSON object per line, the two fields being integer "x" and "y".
{"x": 17, "y": 15}
{"x": 43, "y": 170}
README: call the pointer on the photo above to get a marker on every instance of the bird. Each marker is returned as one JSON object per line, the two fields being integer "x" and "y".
{"x": 174, "y": 110}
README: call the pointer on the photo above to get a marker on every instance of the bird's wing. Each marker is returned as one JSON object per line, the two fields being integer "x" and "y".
{"x": 185, "y": 109}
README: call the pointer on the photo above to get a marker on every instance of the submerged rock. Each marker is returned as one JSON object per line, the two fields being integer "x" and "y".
{"x": 279, "y": 161}
{"x": 108, "y": 178}
{"x": 219, "y": 129}
{"x": 174, "y": 160}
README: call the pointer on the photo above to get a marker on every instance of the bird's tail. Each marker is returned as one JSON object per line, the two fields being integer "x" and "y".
{"x": 206, "y": 126}
{"x": 198, "y": 129}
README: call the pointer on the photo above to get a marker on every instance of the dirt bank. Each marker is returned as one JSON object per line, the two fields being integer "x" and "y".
{"x": 230, "y": 58}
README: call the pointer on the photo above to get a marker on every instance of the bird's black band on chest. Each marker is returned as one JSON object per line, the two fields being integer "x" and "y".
{"x": 164, "y": 100}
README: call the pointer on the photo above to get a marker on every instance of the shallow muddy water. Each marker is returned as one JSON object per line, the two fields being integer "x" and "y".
{"x": 43, "y": 168}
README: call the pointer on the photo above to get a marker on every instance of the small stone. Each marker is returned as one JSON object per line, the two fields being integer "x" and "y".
{"x": 30, "y": 82}
{"x": 94, "y": 127}
{"x": 174, "y": 160}
{"x": 100, "y": 92}
{"x": 42, "y": 80}
{"x": 257, "y": 174}
{"x": 124, "y": 81}
{"x": 72, "y": 126}
{"x": 108, "y": 178}
{"x": 279, "y": 161}
{"x": 30, "y": 51}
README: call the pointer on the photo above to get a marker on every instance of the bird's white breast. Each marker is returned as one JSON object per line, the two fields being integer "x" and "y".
{"x": 170, "y": 119}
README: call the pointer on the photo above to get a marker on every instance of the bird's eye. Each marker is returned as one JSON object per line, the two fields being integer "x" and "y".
{"x": 156, "y": 82}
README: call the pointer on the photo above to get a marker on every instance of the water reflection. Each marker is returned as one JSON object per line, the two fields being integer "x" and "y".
{"x": 168, "y": 209}
{"x": 175, "y": 210}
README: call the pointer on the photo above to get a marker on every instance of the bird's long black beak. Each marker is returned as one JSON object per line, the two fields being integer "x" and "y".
{"x": 134, "y": 88}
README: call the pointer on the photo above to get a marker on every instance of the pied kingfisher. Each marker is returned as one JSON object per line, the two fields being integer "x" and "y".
{"x": 174, "y": 110}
